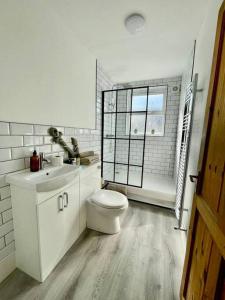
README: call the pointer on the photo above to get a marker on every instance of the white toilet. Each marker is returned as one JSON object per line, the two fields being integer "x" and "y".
{"x": 103, "y": 211}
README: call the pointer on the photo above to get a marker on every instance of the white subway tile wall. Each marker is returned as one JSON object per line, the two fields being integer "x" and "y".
{"x": 4, "y": 128}
{"x": 17, "y": 142}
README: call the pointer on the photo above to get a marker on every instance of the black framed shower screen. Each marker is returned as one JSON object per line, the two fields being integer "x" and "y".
{"x": 122, "y": 150}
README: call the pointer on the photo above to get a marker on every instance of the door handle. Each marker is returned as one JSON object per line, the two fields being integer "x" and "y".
{"x": 65, "y": 194}
{"x": 193, "y": 178}
{"x": 60, "y": 203}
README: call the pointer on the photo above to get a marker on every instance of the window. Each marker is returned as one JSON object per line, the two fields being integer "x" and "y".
{"x": 155, "y": 114}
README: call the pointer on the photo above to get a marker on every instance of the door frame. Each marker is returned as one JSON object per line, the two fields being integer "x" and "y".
{"x": 198, "y": 206}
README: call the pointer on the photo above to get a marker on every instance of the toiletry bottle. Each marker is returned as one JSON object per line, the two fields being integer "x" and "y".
{"x": 34, "y": 162}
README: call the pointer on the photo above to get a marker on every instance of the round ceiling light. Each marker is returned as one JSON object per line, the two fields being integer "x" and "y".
{"x": 135, "y": 23}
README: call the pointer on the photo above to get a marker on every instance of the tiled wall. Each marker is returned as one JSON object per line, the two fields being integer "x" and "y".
{"x": 17, "y": 141}
{"x": 160, "y": 151}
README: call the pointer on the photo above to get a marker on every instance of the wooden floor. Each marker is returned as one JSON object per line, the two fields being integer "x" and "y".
{"x": 143, "y": 261}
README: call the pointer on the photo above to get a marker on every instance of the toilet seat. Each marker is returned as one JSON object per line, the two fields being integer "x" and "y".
{"x": 109, "y": 199}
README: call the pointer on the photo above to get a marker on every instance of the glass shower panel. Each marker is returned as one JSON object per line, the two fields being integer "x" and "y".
{"x": 122, "y": 125}
{"x": 121, "y": 173}
{"x": 110, "y": 101}
{"x": 108, "y": 150}
{"x": 135, "y": 176}
{"x": 138, "y": 121}
{"x": 122, "y": 151}
{"x": 109, "y": 125}
{"x": 136, "y": 152}
{"x": 108, "y": 171}
{"x": 123, "y": 100}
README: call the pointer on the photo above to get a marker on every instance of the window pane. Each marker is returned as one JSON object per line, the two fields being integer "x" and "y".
{"x": 155, "y": 125}
{"x": 156, "y": 102}
{"x": 139, "y": 99}
{"x": 139, "y": 103}
{"x": 137, "y": 124}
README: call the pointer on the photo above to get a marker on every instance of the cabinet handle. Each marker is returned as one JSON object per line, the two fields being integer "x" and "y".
{"x": 60, "y": 203}
{"x": 65, "y": 194}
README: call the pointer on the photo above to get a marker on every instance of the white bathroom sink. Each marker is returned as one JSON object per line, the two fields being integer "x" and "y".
{"x": 45, "y": 180}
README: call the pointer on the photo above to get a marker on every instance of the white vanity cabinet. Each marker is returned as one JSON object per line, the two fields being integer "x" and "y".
{"x": 58, "y": 223}
{"x": 90, "y": 181}
{"x": 46, "y": 224}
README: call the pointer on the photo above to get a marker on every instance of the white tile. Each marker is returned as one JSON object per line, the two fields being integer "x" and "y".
{"x": 33, "y": 140}
{"x": 6, "y": 228}
{"x": 2, "y": 243}
{"x": 7, "y": 250}
{"x": 4, "y": 128}
{"x": 41, "y": 129}
{"x": 44, "y": 148}
{"x": 9, "y": 237}
{"x": 5, "y": 154}
{"x": 86, "y": 131}
{"x": 22, "y": 152}
{"x": 47, "y": 140}
{"x": 3, "y": 181}
{"x": 7, "y": 215}
{"x": 21, "y": 129}
{"x": 56, "y": 148}
{"x": 69, "y": 131}
{"x": 11, "y": 166}
{"x": 5, "y": 204}
{"x": 11, "y": 141}
{"x": 5, "y": 192}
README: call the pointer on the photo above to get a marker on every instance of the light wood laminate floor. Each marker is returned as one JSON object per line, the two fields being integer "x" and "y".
{"x": 143, "y": 261}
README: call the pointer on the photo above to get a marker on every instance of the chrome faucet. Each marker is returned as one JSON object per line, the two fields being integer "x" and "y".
{"x": 43, "y": 160}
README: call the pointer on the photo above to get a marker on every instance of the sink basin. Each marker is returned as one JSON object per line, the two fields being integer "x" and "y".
{"x": 49, "y": 179}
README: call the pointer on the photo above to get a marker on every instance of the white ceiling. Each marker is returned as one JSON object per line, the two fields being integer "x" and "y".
{"x": 160, "y": 51}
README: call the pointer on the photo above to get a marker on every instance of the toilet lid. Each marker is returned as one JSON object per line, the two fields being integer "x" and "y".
{"x": 109, "y": 199}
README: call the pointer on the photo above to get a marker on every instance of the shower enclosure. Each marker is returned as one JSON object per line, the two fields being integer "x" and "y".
{"x": 129, "y": 115}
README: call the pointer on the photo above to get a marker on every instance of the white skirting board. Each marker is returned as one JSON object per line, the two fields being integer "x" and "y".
{"x": 7, "y": 266}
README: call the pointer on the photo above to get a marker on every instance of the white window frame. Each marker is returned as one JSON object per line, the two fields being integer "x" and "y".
{"x": 152, "y": 91}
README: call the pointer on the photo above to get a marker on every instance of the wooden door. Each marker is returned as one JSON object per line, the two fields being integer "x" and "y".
{"x": 204, "y": 268}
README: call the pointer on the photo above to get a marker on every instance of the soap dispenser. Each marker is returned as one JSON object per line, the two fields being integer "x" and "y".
{"x": 34, "y": 162}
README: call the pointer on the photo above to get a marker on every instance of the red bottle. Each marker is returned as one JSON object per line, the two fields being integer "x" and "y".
{"x": 34, "y": 162}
